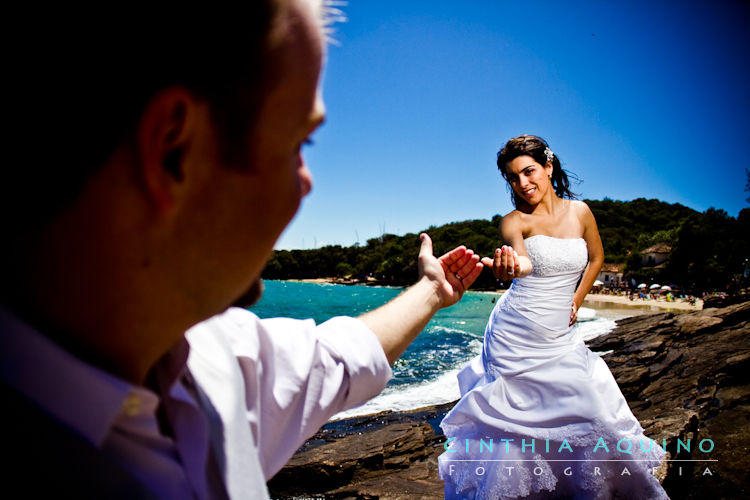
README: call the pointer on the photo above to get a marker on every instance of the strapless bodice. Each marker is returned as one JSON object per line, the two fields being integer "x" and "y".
{"x": 555, "y": 256}
{"x": 557, "y": 266}
{"x": 542, "y": 298}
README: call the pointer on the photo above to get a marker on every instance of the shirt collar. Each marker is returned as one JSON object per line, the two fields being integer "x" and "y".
{"x": 79, "y": 395}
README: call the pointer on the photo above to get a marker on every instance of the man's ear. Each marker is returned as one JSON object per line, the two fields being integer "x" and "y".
{"x": 165, "y": 131}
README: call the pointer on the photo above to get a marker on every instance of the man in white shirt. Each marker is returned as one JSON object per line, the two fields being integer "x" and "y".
{"x": 171, "y": 166}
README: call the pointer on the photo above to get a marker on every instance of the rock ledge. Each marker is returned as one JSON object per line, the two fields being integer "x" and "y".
{"x": 686, "y": 378}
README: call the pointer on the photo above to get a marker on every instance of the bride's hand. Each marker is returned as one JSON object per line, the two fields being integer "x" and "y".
{"x": 573, "y": 314}
{"x": 505, "y": 265}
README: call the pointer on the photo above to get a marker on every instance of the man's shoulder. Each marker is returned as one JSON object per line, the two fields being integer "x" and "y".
{"x": 219, "y": 334}
{"x": 223, "y": 327}
{"x": 50, "y": 459}
{"x": 240, "y": 332}
{"x": 238, "y": 321}
{"x": 232, "y": 317}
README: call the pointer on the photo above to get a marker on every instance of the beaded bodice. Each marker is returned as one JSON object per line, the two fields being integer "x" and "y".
{"x": 553, "y": 256}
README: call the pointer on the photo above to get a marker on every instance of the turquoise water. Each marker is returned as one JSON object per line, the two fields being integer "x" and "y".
{"x": 426, "y": 373}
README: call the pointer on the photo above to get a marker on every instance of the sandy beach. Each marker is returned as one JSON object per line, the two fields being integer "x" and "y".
{"x": 661, "y": 304}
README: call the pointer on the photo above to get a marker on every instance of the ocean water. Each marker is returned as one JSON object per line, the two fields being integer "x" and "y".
{"x": 426, "y": 373}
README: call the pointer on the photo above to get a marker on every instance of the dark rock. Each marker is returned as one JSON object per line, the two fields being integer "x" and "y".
{"x": 353, "y": 459}
{"x": 686, "y": 378}
{"x": 391, "y": 458}
{"x": 727, "y": 300}
{"x": 697, "y": 387}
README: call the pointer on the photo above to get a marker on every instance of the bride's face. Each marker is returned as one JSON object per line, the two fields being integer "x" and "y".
{"x": 529, "y": 179}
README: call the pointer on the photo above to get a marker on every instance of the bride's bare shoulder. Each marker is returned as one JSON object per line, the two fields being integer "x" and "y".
{"x": 512, "y": 219}
{"x": 580, "y": 208}
{"x": 514, "y": 215}
{"x": 512, "y": 225}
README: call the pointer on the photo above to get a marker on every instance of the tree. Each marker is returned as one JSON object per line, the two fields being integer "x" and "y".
{"x": 710, "y": 252}
{"x": 344, "y": 269}
{"x": 709, "y": 249}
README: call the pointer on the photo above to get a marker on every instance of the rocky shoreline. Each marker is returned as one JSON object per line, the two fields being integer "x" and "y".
{"x": 686, "y": 377}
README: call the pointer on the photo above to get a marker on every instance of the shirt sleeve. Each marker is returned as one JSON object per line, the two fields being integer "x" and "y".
{"x": 298, "y": 374}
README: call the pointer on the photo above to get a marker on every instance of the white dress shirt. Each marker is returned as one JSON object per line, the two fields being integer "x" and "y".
{"x": 229, "y": 410}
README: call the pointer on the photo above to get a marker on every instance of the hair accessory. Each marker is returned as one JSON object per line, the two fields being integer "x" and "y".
{"x": 549, "y": 154}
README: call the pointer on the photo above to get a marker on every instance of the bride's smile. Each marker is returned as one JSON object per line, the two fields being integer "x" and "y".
{"x": 529, "y": 179}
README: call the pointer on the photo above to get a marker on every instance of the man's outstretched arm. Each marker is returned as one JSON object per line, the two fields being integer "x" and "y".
{"x": 442, "y": 282}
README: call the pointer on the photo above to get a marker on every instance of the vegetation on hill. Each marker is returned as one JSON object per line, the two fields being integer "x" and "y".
{"x": 709, "y": 249}
{"x": 626, "y": 227}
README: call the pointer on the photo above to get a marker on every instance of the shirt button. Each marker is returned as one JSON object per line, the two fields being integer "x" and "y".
{"x": 131, "y": 406}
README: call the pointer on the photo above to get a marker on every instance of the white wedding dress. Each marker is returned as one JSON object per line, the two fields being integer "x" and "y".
{"x": 541, "y": 415}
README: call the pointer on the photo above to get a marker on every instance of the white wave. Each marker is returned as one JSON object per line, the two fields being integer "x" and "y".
{"x": 445, "y": 388}
{"x": 594, "y": 328}
{"x": 448, "y": 329}
{"x": 440, "y": 390}
{"x": 586, "y": 313}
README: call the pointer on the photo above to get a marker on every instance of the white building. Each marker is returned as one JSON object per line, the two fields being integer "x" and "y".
{"x": 655, "y": 255}
{"x": 611, "y": 274}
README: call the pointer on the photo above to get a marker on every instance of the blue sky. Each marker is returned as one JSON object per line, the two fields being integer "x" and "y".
{"x": 639, "y": 99}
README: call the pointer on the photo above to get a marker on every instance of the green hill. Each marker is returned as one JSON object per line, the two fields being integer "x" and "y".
{"x": 710, "y": 249}
{"x": 622, "y": 223}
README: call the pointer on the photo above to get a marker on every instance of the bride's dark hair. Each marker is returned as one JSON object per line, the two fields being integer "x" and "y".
{"x": 536, "y": 147}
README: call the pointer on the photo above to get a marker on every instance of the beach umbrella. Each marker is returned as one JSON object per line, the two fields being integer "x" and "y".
{"x": 654, "y": 286}
{"x": 667, "y": 288}
{"x": 642, "y": 285}
{"x": 598, "y": 283}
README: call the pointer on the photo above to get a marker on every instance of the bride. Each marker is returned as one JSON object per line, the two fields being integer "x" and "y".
{"x": 541, "y": 415}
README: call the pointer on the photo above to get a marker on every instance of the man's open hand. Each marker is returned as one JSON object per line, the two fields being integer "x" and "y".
{"x": 452, "y": 273}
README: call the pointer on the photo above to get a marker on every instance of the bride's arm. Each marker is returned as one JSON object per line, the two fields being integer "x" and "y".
{"x": 596, "y": 257}
{"x": 510, "y": 261}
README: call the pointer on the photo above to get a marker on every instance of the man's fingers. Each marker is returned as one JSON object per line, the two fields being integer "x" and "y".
{"x": 426, "y": 248}
{"x": 452, "y": 279}
{"x": 487, "y": 261}
{"x": 461, "y": 261}
{"x": 449, "y": 258}
{"x": 472, "y": 275}
{"x": 468, "y": 266}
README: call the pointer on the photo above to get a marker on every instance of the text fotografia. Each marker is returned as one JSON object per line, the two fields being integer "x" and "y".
{"x": 624, "y": 445}
{"x": 601, "y": 452}
{"x": 507, "y": 470}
